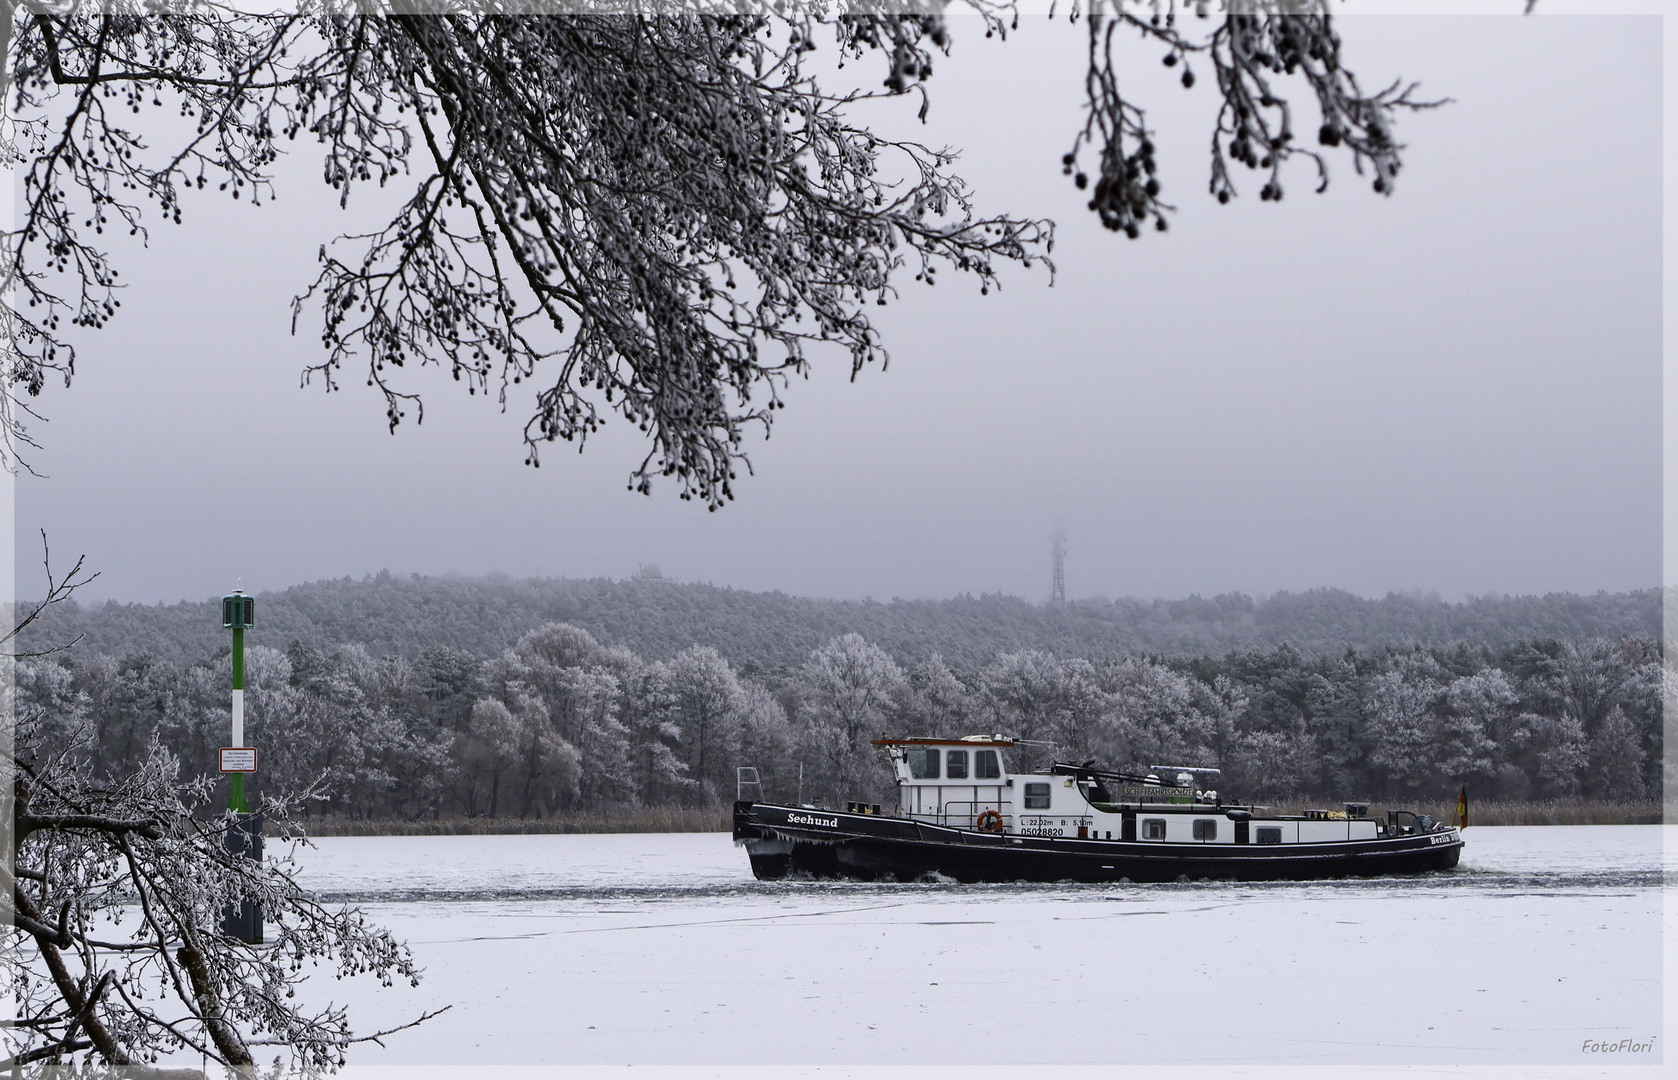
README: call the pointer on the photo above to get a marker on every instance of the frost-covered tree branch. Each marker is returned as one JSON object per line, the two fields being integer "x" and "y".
{"x": 116, "y": 900}
{"x": 1253, "y": 47}
{"x": 649, "y": 217}
{"x": 59, "y": 589}
{"x": 115, "y": 890}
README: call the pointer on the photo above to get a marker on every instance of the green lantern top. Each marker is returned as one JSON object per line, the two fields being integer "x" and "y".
{"x": 238, "y": 612}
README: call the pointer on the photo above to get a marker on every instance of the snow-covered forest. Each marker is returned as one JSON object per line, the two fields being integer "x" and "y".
{"x": 774, "y": 632}
{"x": 641, "y": 706}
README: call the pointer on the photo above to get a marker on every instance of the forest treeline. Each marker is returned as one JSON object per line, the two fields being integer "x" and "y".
{"x": 559, "y": 721}
{"x": 773, "y": 633}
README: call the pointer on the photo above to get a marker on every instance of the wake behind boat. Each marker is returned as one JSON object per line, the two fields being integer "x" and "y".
{"x": 963, "y": 816}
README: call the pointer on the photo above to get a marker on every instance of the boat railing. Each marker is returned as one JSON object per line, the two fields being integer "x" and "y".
{"x": 745, "y": 779}
{"x": 965, "y": 813}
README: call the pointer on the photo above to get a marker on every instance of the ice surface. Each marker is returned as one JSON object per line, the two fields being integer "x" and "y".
{"x": 662, "y": 950}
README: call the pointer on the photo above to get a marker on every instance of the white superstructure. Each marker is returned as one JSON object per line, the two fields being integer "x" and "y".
{"x": 965, "y": 783}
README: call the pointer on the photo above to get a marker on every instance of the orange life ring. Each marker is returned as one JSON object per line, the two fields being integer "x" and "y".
{"x": 990, "y": 821}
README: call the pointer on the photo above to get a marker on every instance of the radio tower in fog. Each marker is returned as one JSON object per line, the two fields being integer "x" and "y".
{"x": 1057, "y": 594}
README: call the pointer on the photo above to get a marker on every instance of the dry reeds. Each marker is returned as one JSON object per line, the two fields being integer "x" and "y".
{"x": 625, "y": 820}
{"x": 1553, "y": 812}
{"x": 1526, "y": 812}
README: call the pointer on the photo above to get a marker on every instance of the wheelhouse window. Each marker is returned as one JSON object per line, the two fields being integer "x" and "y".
{"x": 1205, "y": 828}
{"x": 923, "y": 762}
{"x": 1262, "y": 835}
{"x": 986, "y": 765}
{"x": 1153, "y": 828}
{"x": 1037, "y": 796}
{"x": 955, "y": 764}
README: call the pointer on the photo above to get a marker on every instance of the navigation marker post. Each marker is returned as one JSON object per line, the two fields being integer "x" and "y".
{"x": 238, "y": 613}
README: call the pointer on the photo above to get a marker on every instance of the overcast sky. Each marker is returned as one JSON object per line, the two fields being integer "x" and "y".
{"x": 1456, "y": 389}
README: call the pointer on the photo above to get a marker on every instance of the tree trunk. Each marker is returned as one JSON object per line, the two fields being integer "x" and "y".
{"x": 222, "y": 1033}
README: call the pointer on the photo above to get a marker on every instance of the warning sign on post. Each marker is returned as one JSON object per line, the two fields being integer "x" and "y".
{"x": 238, "y": 759}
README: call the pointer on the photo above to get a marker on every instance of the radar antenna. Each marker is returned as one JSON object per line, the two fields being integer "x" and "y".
{"x": 1057, "y": 593}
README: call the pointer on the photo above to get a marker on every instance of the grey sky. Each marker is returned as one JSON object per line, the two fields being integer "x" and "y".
{"x": 1456, "y": 389}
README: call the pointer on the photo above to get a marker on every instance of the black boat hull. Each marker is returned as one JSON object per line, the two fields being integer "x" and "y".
{"x": 785, "y": 841}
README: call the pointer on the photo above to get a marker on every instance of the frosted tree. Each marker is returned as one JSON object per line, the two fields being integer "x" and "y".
{"x": 115, "y": 888}
{"x": 1337, "y": 727}
{"x": 1481, "y": 722}
{"x": 591, "y": 701}
{"x": 1585, "y": 681}
{"x": 850, "y": 692}
{"x": 572, "y": 675}
{"x": 654, "y": 219}
{"x": 1033, "y": 695}
{"x": 319, "y": 730}
{"x": 554, "y": 647}
{"x": 1614, "y": 759}
{"x": 661, "y": 774}
{"x": 698, "y": 692}
{"x": 1154, "y": 715}
{"x": 1401, "y": 705}
{"x": 766, "y": 741}
{"x": 1559, "y": 753}
{"x": 484, "y": 752}
{"x": 46, "y": 690}
{"x": 549, "y": 768}
{"x": 1267, "y": 764}
{"x": 1646, "y": 699}
{"x": 355, "y": 723}
{"x": 938, "y": 702}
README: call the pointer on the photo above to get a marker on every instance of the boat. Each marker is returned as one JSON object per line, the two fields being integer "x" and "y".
{"x": 963, "y": 816}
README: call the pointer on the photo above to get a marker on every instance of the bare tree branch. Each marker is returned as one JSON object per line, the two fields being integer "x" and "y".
{"x": 58, "y": 591}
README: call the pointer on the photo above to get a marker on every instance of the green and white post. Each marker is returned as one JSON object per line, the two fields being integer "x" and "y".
{"x": 242, "y": 921}
{"x": 236, "y": 614}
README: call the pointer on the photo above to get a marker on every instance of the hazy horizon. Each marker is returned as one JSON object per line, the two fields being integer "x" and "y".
{"x": 89, "y": 598}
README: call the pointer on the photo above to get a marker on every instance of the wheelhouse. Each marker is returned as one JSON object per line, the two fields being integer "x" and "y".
{"x": 959, "y": 782}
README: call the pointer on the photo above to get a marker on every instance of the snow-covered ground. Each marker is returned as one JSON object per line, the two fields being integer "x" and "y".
{"x": 661, "y": 950}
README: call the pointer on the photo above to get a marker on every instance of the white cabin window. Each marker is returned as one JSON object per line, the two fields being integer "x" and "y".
{"x": 923, "y": 762}
{"x": 955, "y": 764}
{"x": 1037, "y": 796}
{"x": 1205, "y": 828}
{"x": 1153, "y": 828}
{"x": 986, "y": 766}
{"x": 1262, "y": 835}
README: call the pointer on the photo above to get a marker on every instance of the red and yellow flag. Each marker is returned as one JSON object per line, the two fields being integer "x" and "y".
{"x": 1462, "y": 808}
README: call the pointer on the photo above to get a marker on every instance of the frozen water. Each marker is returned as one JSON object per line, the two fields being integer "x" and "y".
{"x": 663, "y": 950}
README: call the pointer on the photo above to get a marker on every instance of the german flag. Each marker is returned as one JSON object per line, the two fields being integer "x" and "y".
{"x": 1462, "y": 808}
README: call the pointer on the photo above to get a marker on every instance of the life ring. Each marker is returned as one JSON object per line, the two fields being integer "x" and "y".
{"x": 990, "y": 821}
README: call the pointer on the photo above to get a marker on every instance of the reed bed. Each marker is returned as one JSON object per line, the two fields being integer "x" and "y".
{"x": 628, "y": 820}
{"x": 1529, "y": 812}
{"x": 716, "y": 819}
{"x": 1552, "y": 812}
